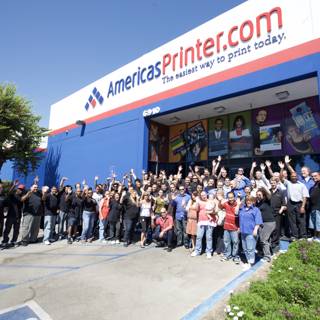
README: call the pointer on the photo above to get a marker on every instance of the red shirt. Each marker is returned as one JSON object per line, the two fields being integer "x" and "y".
{"x": 164, "y": 223}
{"x": 231, "y": 221}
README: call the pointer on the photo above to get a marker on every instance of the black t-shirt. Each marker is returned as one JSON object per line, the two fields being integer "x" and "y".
{"x": 315, "y": 197}
{"x": 131, "y": 210}
{"x": 2, "y": 203}
{"x": 51, "y": 205}
{"x": 63, "y": 204}
{"x": 14, "y": 204}
{"x": 89, "y": 204}
{"x": 278, "y": 199}
{"x": 115, "y": 211}
{"x": 33, "y": 205}
{"x": 75, "y": 206}
{"x": 266, "y": 211}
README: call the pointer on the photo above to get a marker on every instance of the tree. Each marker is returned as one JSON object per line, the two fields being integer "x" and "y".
{"x": 20, "y": 133}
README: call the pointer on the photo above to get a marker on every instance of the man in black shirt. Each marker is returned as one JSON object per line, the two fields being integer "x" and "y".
{"x": 14, "y": 204}
{"x": 32, "y": 212}
{"x": 63, "y": 208}
{"x": 50, "y": 201}
{"x": 75, "y": 202}
{"x": 314, "y": 222}
{"x": 278, "y": 201}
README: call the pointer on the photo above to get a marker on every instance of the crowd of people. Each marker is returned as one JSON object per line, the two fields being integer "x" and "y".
{"x": 236, "y": 217}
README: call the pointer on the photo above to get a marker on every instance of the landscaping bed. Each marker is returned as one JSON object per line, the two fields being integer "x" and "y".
{"x": 291, "y": 290}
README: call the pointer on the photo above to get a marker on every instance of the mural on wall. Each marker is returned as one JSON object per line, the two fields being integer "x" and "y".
{"x": 188, "y": 143}
{"x": 302, "y": 128}
{"x": 240, "y": 135}
{"x": 218, "y": 136}
{"x": 158, "y": 142}
{"x": 197, "y": 141}
{"x": 291, "y": 128}
{"x": 267, "y": 131}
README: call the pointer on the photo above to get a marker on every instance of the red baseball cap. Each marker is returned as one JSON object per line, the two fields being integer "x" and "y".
{"x": 21, "y": 186}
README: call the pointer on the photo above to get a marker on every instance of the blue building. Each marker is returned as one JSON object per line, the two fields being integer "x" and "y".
{"x": 239, "y": 76}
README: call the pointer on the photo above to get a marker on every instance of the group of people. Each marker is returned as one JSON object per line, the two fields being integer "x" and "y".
{"x": 204, "y": 211}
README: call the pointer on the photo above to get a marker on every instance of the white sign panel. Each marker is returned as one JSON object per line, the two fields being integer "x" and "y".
{"x": 254, "y": 30}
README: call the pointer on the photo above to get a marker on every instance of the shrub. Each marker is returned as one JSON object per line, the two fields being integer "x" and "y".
{"x": 290, "y": 292}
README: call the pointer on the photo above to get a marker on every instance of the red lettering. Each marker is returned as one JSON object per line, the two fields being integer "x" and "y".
{"x": 166, "y": 60}
{"x": 230, "y": 41}
{"x": 219, "y": 35}
{"x": 198, "y": 45}
{"x": 208, "y": 44}
{"x": 251, "y": 30}
{"x": 181, "y": 58}
{"x": 190, "y": 49}
{"x": 174, "y": 61}
{"x": 267, "y": 17}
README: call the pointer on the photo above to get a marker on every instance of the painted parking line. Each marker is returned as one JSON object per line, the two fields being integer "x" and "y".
{"x": 70, "y": 269}
{"x": 6, "y": 286}
{"x": 28, "y": 310}
{"x": 66, "y": 254}
{"x": 35, "y": 266}
{"x": 207, "y": 305}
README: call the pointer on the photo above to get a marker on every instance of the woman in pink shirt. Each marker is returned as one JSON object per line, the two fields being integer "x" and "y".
{"x": 206, "y": 223}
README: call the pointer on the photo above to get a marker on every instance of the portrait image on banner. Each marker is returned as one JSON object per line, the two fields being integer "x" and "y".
{"x": 158, "y": 142}
{"x": 267, "y": 131}
{"x": 302, "y": 127}
{"x": 240, "y": 136}
{"x": 218, "y": 136}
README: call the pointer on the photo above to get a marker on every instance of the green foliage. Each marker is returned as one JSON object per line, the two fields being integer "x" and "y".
{"x": 291, "y": 290}
{"x": 20, "y": 133}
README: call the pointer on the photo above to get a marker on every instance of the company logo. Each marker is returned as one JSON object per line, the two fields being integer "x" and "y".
{"x": 93, "y": 99}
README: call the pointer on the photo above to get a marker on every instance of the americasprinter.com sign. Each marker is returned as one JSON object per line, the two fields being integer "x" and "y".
{"x": 186, "y": 61}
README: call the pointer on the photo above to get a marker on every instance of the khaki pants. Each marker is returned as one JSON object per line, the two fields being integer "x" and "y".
{"x": 30, "y": 228}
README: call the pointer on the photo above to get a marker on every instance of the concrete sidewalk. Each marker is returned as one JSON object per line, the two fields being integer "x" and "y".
{"x": 96, "y": 281}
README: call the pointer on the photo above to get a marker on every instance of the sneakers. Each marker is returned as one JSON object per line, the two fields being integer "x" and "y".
{"x": 236, "y": 260}
{"x": 114, "y": 241}
{"x": 117, "y": 242}
{"x": 169, "y": 249}
{"x": 70, "y": 240}
{"x": 266, "y": 259}
{"x": 246, "y": 266}
{"x": 194, "y": 254}
{"x": 47, "y": 242}
{"x": 209, "y": 256}
{"x": 224, "y": 258}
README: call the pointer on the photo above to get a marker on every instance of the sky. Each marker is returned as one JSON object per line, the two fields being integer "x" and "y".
{"x": 52, "y": 48}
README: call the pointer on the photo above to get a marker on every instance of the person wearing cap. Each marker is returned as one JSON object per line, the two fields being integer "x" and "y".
{"x": 14, "y": 204}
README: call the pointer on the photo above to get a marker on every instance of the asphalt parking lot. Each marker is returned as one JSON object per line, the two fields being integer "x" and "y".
{"x": 96, "y": 281}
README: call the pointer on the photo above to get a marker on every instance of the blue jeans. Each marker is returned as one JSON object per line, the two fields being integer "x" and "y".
{"x": 128, "y": 229}
{"x": 62, "y": 220}
{"x": 180, "y": 230}
{"x": 249, "y": 246}
{"x": 231, "y": 239}
{"x": 88, "y": 223}
{"x": 102, "y": 228}
{"x": 49, "y": 225}
{"x": 200, "y": 233}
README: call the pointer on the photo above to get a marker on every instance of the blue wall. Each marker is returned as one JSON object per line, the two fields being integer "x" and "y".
{"x": 121, "y": 142}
